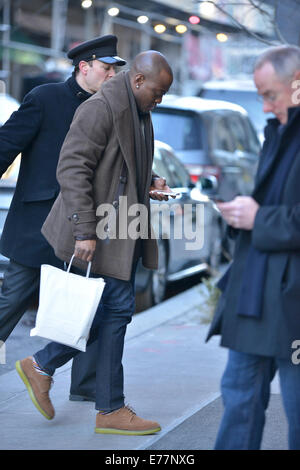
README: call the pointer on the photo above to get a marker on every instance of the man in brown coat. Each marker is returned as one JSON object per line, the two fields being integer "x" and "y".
{"x": 106, "y": 160}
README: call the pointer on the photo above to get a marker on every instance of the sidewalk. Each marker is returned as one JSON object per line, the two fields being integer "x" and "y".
{"x": 171, "y": 375}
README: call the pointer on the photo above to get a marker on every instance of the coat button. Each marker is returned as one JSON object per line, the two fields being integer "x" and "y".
{"x": 115, "y": 204}
{"x": 75, "y": 217}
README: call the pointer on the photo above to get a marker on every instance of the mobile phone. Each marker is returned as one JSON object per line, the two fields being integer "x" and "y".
{"x": 165, "y": 193}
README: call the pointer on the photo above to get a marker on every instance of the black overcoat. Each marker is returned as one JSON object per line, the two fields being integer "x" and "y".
{"x": 277, "y": 232}
{"x": 37, "y": 130}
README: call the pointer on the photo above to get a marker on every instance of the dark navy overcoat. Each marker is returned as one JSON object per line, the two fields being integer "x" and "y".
{"x": 276, "y": 232}
{"x": 37, "y": 130}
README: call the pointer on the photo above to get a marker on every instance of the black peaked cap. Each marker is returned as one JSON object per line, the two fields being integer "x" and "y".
{"x": 103, "y": 48}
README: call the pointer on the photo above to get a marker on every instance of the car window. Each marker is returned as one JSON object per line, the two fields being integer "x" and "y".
{"x": 222, "y": 138}
{"x": 238, "y": 132}
{"x": 247, "y": 99}
{"x": 165, "y": 164}
{"x": 253, "y": 142}
{"x": 181, "y": 130}
{"x": 159, "y": 166}
{"x": 179, "y": 175}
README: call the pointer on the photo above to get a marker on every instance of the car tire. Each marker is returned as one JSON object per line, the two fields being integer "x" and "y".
{"x": 157, "y": 285}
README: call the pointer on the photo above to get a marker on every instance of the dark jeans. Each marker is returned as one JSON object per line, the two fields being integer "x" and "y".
{"x": 108, "y": 329}
{"x": 20, "y": 285}
{"x": 246, "y": 392}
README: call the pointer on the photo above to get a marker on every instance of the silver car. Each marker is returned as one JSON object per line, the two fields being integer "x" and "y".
{"x": 211, "y": 138}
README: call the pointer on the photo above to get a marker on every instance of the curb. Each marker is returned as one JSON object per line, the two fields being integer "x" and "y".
{"x": 164, "y": 312}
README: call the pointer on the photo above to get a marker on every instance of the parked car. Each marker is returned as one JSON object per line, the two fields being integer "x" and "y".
{"x": 211, "y": 138}
{"x": 241, "y": 92}
{"x": 193, "y": 209}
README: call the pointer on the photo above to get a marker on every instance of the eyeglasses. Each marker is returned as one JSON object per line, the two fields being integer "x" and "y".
{"x": 268, "y": 97}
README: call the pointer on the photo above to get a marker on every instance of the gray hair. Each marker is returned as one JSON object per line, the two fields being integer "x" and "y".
{"x": 285, "y": 60}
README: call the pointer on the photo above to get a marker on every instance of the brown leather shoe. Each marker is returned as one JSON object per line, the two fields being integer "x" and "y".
{"x": 124, "y": 421}
{"x": 38, "y": 386}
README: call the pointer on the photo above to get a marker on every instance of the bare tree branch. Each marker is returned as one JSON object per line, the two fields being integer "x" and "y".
{"x": 259, "y": 8}
{"x": 239, "y": 24}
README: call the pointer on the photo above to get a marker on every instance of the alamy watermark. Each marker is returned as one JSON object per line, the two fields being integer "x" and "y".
{"x": 2, "y": 353}
{"x": 180, "y": 222}
{"x": 2, "y": 86}
{"x": 296, "y": 353}
{"x": 296, "y": 93}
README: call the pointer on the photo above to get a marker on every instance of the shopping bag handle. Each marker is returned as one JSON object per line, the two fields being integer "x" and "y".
{"x": 88, "y": 268}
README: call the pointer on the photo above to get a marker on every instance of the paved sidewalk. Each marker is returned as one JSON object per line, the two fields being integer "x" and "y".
{"x": 171, "y": 375}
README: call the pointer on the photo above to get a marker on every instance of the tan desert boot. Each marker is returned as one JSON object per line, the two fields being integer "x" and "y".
{"x": 38, "y": 386}
{"x": 124, "y": 421}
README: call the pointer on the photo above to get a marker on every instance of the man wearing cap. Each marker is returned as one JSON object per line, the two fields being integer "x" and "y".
{"x": 37, "y": 130}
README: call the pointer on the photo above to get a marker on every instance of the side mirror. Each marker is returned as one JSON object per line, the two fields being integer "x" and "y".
{"x": 209, "y": 185}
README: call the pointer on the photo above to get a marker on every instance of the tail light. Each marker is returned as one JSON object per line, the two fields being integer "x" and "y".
{"x": 196, "y": 171}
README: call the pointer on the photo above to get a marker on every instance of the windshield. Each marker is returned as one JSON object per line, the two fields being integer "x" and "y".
{"x": 181, "y": 131}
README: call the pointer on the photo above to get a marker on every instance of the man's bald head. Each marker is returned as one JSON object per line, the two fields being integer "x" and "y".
{"x": 150, "y": 63}
{"x": 151, "y": 77}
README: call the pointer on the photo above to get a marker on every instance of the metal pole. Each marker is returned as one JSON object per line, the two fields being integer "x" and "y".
{"x": 107, "y": 25}
{"x": 59, "y": 17}
{"x": 89, "y": 23}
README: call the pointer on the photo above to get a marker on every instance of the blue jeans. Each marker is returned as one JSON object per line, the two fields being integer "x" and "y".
{"x": 114, "y": 313}
{"x": 245, "y": 389}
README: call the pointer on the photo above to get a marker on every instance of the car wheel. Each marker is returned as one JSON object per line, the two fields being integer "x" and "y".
{"x": 215, "y": 255}
{"x": 156, "y": 288}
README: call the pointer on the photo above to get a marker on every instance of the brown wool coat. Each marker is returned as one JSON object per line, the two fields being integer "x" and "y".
{"x": 100, "y": 138}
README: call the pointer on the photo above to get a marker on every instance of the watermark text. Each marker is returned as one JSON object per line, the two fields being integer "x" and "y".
{"x": 2, "y": 86}
{"x": 2, "y": 353}
{"x": 296, "y": 353}
{"x": 296, "y": 93}
{"x": 176, "y": 221}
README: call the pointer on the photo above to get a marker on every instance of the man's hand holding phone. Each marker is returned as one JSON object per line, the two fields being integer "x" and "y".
{"x": 161, "y": 191}
{"x": 240, "y": 213}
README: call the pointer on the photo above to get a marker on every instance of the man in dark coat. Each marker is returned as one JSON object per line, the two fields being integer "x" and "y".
{"x": 258, "y": 312}
{"x": 37, "y": 130}
{"x": 106, "y": 160}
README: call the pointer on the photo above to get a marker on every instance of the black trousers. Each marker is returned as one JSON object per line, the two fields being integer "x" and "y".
{"x": 20, "y": 286}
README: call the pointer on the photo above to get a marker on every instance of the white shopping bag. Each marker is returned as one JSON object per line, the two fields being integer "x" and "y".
{"x": 67, "y": 306}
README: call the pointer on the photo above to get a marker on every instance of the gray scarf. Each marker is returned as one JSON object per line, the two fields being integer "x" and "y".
{"x": 143, "y": 143}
